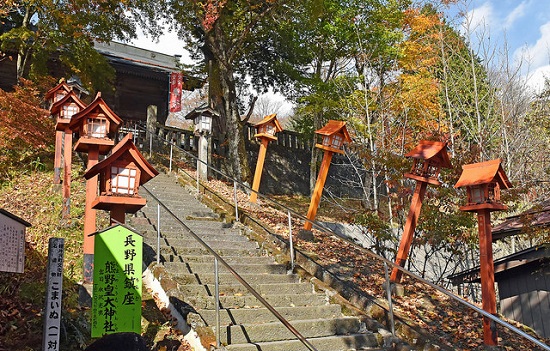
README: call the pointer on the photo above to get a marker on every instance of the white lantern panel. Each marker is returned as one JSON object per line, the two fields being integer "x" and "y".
{"x": 123, "y": 180}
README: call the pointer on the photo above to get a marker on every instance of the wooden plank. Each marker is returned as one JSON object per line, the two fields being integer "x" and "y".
{"x": 544, "y": 309}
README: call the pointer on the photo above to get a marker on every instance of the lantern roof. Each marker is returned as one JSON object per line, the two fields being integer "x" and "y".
{"x": 97, "y": 104}
{"x": 61, "y": 86}
{"x": 431, "y": 150}
{"x": 270, "y": 118}
{"x": 483, "y": 173}
{"x": 334, "y": 127}
{"x": 125, "y": 149}
{"x": 67, "y": 99}
{"x": 202, "y": 110}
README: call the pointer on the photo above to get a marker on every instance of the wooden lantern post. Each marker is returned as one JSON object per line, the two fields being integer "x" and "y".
{"x": 483, "y": 182}
{"x": 334, "y": 135}
{"x": 267, "y": 128}
{"x": 96, "y": 126}
{"x": 52, "y": 96}
{"x": 63, "y": 110}
{"x": 203, "y": 117}
{"x": 428, "y": 158}
{"x": 120, "y": 175}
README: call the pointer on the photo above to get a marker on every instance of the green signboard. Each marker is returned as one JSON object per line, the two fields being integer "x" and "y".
{"x": 116, "y": 301}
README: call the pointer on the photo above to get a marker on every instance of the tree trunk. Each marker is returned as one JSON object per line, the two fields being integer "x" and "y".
{"x": 315, "y": 154}
{"x": 224, "y": 100}
{"x": 23, "y": 52}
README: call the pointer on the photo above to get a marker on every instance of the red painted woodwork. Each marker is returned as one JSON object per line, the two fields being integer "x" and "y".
{"x": 120, "y": 175}
{"x": 428, "y": 159}
{"x": 334, "y": 135}
{"x": 268, "y": 127}
{"x": 483, "y": 182}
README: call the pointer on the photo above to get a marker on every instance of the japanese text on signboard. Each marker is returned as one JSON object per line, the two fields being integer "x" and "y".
{"x": 116, "y": 303}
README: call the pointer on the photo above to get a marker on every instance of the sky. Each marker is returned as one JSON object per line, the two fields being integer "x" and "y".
{"x": 523, "y": 25}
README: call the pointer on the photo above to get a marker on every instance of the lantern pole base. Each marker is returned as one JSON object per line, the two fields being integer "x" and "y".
{"x": 88, "y": 272}
{"x": 306, "y": 235}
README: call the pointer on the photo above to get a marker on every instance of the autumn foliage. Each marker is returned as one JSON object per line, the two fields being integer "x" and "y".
{"x": 26, "y": 129}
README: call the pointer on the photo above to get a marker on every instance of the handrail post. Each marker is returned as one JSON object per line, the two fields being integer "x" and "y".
{"x": 217, "y": 297}
{"x": 158, "y": 233}
{"x": 388, "y": 292}
{"x": 171, "y": 148}
{"x": 291, "y": 242}
{"x": 235, "y": 198}
{"x": 150, "y": 144}
{"x": 198, "y": 180}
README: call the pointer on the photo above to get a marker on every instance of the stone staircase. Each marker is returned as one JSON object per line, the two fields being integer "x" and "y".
{"x": 188, "y": 278}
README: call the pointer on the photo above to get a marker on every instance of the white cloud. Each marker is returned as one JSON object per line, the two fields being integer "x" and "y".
{"x": 168, "y": 44}
{"x": 538, "y": 54}
{"x": 479, "y": 18}
{"x": 537, "y": 78}
{"x": 517, "y": 13}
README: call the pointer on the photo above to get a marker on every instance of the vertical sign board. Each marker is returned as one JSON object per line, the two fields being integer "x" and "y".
{"x": 176, "y": 86}
{"x": 116, "y": 302}
{"x": 12, "y": 242}
{"x": 54, "y": 288}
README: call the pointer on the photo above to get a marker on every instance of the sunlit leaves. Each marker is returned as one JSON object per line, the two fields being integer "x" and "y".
{"x": 25, "y": 128}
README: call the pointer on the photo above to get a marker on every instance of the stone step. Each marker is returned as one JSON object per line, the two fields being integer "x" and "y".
{"x": 366, "y": 341}
{"x": 201, "y": 267}
{"x": 214, "y": 244}
{"x": 276, "y": 331}
{"x": 229, "y": 259}
{"x": 228, "y": 278}
{"x": 206, "y": 236}
{"x": 263, "y": 315}
{"x": 250, "y": 302}
{"x": 239, "y": 290}
{"x": 185, "y": 251}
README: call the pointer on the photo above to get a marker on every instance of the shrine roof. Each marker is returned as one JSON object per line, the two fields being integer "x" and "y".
{"x": 125, "y": 147}
{"x": 269, "y": 118}
{"x": 483, "y": 173}
{"x": 97, "y": 103}
{"x": 333, "y": 127}
{"x": 70, "y": 96}
{"x": 426, "y": 150}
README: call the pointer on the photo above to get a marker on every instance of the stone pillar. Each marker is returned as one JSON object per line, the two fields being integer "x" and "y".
{"x": 151, "y": 120}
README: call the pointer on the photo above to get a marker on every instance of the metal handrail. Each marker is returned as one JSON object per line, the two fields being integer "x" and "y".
{"x": 219, "y": 258}
{"x": 322, "y": 228}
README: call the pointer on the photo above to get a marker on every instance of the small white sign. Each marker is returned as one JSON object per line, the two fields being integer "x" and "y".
{"x": 12, "y": 242}
{"x": 54, "y": 289}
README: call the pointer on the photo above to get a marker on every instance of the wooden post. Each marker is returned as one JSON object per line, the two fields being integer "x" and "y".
{"x": 487, "y": 274}
{"x": 90, "y": 216}
{"x": 259, "y": 170}
{"x": 318, "y": 191}
{"x": 118, "y": 215}
{"x": 57, "y": 157}
{"x": 408, "y": 231}
{"x": 67, "y": 161}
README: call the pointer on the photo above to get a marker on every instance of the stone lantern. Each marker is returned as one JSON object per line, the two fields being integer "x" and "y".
{"x": 428, "y": 159}
{"x": 334, "y": 134}
{"x": 203, "y": 117}
{"x": 63, "y": 110}
{"x": 120, "y": 175}
{"x": 483, "y": 182}
{"x": 267, "y": 128}
{"x": 96, "y": 126}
